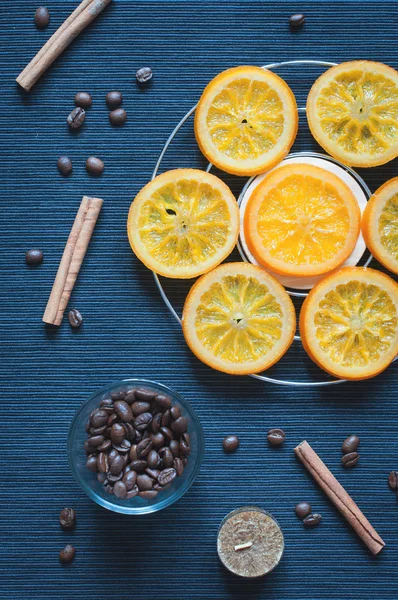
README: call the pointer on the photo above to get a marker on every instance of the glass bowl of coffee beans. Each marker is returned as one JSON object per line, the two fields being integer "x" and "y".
{"x": 135, "y": 446}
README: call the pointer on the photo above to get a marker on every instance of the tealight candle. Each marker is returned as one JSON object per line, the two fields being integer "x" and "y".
{"x": 250, "y": 542}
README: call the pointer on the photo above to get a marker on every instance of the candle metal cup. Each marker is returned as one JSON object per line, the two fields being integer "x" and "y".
{"x": 250, "y": 542}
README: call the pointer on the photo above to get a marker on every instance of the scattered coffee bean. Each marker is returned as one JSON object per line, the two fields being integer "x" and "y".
{"x": 34, "y": 257}
{"x": 393, "y": 480}
{"x": 42, "y": 17}
{"x": 64, "y": 165}
{"x": 350, "y": 444}
{"x": 148, "y": 494}
{"x": 76, "y": 118}
{"x": 158, "y": 455}
{"x": 114, "y": 100}
{"x": 118, "y": 117}
{"x": 144, "y": 75}
{"x": 120, "y": 489}
{"x": 67, "y": 518}
{"x": 94, "y": 166}
{"x": 350, "y": 460}
{"x": 83, "y": 99}
{"x": 303, "y": 509}
{"x": 297, "y": 20}
{"x": 312, "y": 520}
{"x": 276, "y": 437}
{"x": 230, "y": 443}
{"x": 67, "y": 554}
{"x": 75, "y": 318}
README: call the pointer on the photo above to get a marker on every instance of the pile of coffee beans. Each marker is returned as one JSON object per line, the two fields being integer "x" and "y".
{"x": 138, "y": 443}
{"x": 304, "y": 512}
{"x": 349, "y": 448}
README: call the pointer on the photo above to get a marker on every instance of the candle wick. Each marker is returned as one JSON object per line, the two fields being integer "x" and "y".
{"x": 243, "y": 546}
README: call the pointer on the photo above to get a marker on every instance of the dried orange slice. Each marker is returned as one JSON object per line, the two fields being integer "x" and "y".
{"x": 246, "y": 120}
{"x": 238, "y": 319}
{"x": 352, "y": 111}
{"x": 301, "y": 220}
{"x": 349, "y": 323}
{"x": 183, "y": 223}
{"x": 380, "y": 225}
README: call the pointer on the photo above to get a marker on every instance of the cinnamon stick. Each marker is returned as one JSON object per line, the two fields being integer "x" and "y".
{"x": 72, "y": 259}
{"x": 337, "y": 494}
{"x": 86, "y": 12}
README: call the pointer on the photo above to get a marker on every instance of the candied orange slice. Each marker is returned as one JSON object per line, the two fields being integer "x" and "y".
{"x": 246, "y": 120}
{"x": 238, "y": 319}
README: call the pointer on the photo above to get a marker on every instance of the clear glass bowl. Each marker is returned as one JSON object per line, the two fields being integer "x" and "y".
{"x": 88, "y": 480}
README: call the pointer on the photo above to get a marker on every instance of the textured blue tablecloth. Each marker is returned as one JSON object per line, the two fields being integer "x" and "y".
{"x": 128, "y": 331}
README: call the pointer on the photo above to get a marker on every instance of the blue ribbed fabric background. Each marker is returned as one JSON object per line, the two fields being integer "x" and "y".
{"x": 128, "y": 331}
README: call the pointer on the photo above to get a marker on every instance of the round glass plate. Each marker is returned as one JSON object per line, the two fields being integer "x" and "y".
{"x": 313, "y": 376}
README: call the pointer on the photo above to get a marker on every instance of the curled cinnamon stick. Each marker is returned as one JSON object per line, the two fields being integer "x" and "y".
{"x": 72, "y": 259}
{"x": 65, "y": 34}
{"x": 337, "y": 494}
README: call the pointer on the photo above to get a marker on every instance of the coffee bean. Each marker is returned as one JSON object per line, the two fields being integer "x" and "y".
{"x": 303, "y": 509}
{"x": 154, "y": 473}
{"x": 83, "y": 99}
{"x": 140, "y": 407}
{"x": 230, "y": 443}
{"x": 144, "y": 447}
{"x": 98, "y": 430}
{"x": 120, "y": 490}
{"x": 119, "y": 395}
{"x": 123, "y": 411}
{"x": 94, "y": 166}
{"x": 350, "y": 460}
{"x": 67, "y": 518}
{"x": 130, "y": 397}
{"x": 103, "y": 462}
{"x": 156, "y": 422}
{"x": 117, "y": 433}
{"x": 112, "y": 454}
{"x": 139, "y": 465}
{"x": 312, "y": 520}
{"x": 101, "y": 477}
{"x": 175, "y": 412}
{"x": 114, "y": 99}
{"x": 99, "y": 418}
{"x": 129, "y": 480}
{"x": 163, "y": 402}
{"x": 117, "y": 465}
{"x": 133, "y": 452}
{"x": 167, "y": 456}
{"x": 75, "y": 318}
{"x": 180, "y": 426}
{"x": 144, "y": 482}
{"x": 42, "y": 17}
{"x": 276, "y": 437}
{"x": 124, "y": 446}
{"x": 157, "y": 440}
{"x": 166, "y": 418}
{"x": 167, "y": 434}
{"x": 130, "y": 431}
{"x": 112, "y": 419}
{"x": 148, "y": 494}
{"x": 153, "y": 459}
{"x": 178, "y": 466}
{"x": 144, "y": 75}
{"x": 185, "y": 445}
{"x": 114, "y": 478}
{"x": 105, "y": 446}
{"x": 34, "y": 257}
{"x": 91, "y": 464}
{"x": 350, "y": 444}
{"x": 393, "y": 480}
{"x": 106, "y": 402}
{"x": 89, "y": 449}
{"x": 143, "y": 421}
{"x": 167, "y": 476}
{"x": 118, "y": 117}
{"x": 132, "y": 492}
{"x": 67, "y": 554}
{"x": 297, "y": 20}
{"x": 175, "y": 447}
{"x": 76, "y": 118}
{"x": 96, "y": 440}
{"x": 64, "y": 165}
